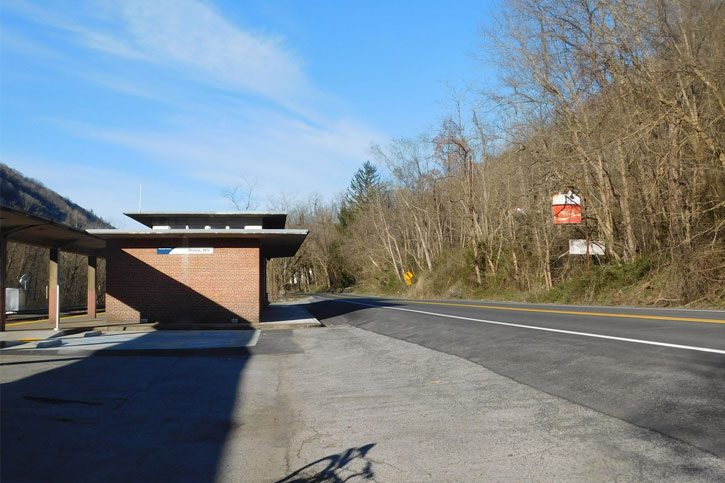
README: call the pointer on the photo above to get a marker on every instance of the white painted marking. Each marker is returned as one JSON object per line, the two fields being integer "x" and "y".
{"x": 553, "y": 306}
{"x": 545, "y": 329}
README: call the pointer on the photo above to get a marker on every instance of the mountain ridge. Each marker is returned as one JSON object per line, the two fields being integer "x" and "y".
{"x": 23, "y": 193}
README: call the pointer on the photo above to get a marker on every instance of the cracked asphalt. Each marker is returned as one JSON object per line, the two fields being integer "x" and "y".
{"x": 315, "y": 405}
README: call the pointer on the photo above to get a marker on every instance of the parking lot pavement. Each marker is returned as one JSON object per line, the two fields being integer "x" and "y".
{"x": 313, "y": 405}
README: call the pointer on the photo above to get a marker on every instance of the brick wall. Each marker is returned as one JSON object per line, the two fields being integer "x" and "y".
{"x": 213, "y": 288}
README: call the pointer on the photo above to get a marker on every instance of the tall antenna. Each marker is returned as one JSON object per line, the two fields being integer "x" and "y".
{"x": 140, "y": 190}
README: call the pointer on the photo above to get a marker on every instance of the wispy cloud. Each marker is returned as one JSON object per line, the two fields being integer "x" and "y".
{"x": 263, "y": 146}
{"x": 189, "y": 36}
{"x": 233, "y": 101}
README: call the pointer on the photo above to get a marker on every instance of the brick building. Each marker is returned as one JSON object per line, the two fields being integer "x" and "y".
{"x": 194, "y": 267}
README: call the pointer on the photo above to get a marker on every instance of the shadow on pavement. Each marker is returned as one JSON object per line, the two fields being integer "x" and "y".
{"x": 324, "y": 310}
{"x": 119, "y": 418}
{"x": 336, "y": 468}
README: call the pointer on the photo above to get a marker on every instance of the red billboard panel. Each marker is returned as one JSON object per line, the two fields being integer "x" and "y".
{"x": 564, "y": 214}
{"x": 566, "y": 208}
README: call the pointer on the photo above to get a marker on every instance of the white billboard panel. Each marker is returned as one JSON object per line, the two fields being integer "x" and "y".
{"x": 566, "y": 199}
{"x": 579, "y": 247}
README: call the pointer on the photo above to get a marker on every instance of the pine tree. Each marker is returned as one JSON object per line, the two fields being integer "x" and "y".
{"x": 365, "y": 185}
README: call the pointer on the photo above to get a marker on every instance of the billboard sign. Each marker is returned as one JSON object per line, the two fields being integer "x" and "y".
{"x": 579, "y": 247}
{"x": 566, "y": 208}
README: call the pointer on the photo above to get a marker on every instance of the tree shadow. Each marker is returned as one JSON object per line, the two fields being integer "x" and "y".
{"x": 336, "y": 468}
{"x": 342, "y": 307}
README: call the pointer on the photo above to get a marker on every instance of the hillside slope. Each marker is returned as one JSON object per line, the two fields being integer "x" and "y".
{"x": 23, "y": 193}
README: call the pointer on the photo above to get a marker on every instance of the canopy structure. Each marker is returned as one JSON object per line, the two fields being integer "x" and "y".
{"x": 23, "y": 227}
{"x": 273, "y": 243}
{"x": 267, "y": 227}
{"x": 208, "y": 266}
{"x": 30, "y": 229}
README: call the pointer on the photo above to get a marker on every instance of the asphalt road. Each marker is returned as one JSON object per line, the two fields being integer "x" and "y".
{"x": 345, "y": 403}
{"x": 659, "y": 369}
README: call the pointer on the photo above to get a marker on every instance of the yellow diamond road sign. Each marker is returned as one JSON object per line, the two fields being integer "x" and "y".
{"x": 409, "y": 275}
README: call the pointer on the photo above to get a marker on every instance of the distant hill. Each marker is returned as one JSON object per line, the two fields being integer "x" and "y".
{"x": 23, "y": 193}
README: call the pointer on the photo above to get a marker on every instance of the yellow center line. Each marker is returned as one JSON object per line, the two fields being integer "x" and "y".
{"x": 551, "y": 311}
{"x": 48, "y": 320}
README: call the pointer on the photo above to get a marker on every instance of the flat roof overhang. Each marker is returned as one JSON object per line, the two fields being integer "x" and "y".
{"x": 274, "y": 243}
{"x": 272, "y": 219}
{"x": 19, "y": 226}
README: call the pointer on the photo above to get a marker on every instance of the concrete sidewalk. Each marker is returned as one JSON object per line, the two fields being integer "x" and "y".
{"x": 289, "y": 315}
{"x": 130, "y": 338}
{"x": 282, "y": 315}
{"x": 16, "y": 338}
{"x": 144, "y": 343}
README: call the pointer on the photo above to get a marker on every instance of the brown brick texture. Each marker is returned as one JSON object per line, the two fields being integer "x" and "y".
{"x": 209, "y": 288}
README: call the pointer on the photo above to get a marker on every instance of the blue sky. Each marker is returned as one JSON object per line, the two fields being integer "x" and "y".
{"x": 190, "y": 98}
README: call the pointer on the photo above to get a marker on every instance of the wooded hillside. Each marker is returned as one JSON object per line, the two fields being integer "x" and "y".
{"x": 619, "y": 101}
{"x": 20, "y": 192}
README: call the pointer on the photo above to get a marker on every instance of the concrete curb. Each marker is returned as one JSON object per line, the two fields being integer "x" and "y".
{"x": 302, "y": 324}
{"x": 51, "y": 342}
{"x": 92, "y": 333}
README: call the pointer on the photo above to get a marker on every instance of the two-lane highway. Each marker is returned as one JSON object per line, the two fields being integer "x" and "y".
{"x": 660, "y": 369}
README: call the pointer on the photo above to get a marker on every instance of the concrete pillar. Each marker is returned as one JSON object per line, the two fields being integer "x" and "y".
{"x": 92, "y": 286}
{"x": 54, "y": 288}
{"x": 3, "y": 275}
{"x": 263, "y": 276}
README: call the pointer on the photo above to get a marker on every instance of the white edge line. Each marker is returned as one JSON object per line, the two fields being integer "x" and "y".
{"x": 255, "y": 337}
{"x": 546, "y": 329}
{"x": 515, "y": 305}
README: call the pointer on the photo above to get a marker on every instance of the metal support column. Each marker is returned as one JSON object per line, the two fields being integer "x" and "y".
{"x": 54, "y": 288}
{"x": 92, "y": 263}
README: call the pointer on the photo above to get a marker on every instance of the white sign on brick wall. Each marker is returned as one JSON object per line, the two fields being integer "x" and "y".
{"x": 185, "y": 251}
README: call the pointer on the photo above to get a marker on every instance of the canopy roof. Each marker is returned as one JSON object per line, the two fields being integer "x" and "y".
{"x": 22, "y": 227}
{"x": 274, "y": 243}
{"x": 214, "y": 219}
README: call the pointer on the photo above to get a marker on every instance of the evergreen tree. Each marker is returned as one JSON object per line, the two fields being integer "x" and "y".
{"x": 365, "y": 185}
